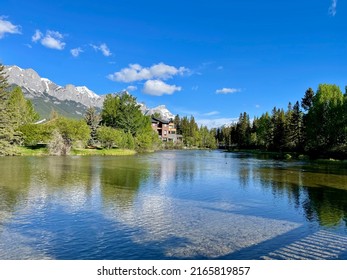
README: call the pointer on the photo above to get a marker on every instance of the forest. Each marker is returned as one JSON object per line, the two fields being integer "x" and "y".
{"x": 316, "y": 126}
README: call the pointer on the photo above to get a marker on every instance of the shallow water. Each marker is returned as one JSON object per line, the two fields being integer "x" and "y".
{"x": 172, "y": 205}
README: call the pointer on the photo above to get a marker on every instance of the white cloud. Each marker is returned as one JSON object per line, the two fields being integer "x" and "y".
{"x": 257, "y": 106}
{"x": 7, "y": 27}
{"x": 131, "y": 88}
{"x": 214, "y": 123}
{"x": 332, "y": 8}
{"x": 52, "y": 39}
{"x": 135, "y": 72}
{"x": 103, "y": 48}
{"x": 227, "y": 90}
{"x": 76, "y": 52}
{"x": 159, "y": 88}
{"x": 211, "y": 113}
{"x": 195, "y": 88}
{"x": 37, "y": 36}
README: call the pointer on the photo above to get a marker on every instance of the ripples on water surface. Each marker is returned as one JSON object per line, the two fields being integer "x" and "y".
{"x": 172, "y": 205}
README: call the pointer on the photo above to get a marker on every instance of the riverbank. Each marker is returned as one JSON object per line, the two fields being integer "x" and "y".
{"x": 288, "y": 155}
{"x": 42, "y": 151}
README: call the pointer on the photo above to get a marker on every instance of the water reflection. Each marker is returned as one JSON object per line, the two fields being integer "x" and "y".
{"x": 322, "y": 196}
{"x": 120, "y": 180}
{"x": 175, "y": 204}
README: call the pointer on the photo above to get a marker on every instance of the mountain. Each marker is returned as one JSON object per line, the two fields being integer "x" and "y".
{"x": 70, "y": 101}
{"x": 162, "y": 110}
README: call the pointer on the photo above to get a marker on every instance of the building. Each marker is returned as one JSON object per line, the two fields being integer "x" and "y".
{"x": 166, "y": 130}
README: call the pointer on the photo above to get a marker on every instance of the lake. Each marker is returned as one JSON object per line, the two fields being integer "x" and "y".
{"x": 172, "y": 205}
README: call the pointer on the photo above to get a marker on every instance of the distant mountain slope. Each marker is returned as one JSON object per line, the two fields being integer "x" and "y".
{"x": 70, "y": 101}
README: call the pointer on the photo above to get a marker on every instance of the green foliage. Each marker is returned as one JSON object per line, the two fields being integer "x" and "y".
{"x": 9, "y": 120}
{"x": 6, "y": 126}
{"x": 327, "y": 111}
{"x": 322, "y": 131}
{"x": 61, "y": 134}
{"x": 72, "y": 131}
{"x": 156, "y": 115}
{"x": 307, "y": 100}
{"x": 122, "y": 112}
{"x": 34, "y": 134}
{"x": 22, "y": 110}
{"x": 130, "y": 128}
{"x": 110, "y": 137}
{"x": 146, "y": 141}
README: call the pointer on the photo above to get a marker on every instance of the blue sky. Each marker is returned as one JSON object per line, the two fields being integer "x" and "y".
{"x": 211, "y": 59}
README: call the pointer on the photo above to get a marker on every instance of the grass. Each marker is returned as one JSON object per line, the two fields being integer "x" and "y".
{"x": 102, "y": 152}
{"x": 27, "y": 151}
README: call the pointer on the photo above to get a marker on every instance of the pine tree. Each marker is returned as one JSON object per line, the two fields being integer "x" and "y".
{"x": 6, "y": 127}
{"x": 93, "y": 121}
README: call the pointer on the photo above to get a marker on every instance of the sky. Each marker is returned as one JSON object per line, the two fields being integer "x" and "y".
{"x": 210, "y": 59}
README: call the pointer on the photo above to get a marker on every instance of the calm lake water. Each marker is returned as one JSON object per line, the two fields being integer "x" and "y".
{"x": 172, "y": 205}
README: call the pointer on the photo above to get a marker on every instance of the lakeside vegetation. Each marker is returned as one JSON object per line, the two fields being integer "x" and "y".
{"x": 317, "y": 127}
{"x": 120, "y": 128}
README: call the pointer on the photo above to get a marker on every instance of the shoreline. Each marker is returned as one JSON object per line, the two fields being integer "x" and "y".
{"x": 24, "y": 151}
{"x": 287, "y": 155}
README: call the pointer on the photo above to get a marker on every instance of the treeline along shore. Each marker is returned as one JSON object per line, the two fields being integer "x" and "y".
{"x": 315, "y": 127}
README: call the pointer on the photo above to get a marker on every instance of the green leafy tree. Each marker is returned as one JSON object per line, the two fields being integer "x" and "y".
{"x": 73, "y": 132}
{"x": 34, "y": 134}
{"x": 147, "y": 141}
{"x": 327, "y": 111}
{"x": 110, "y": 137}
{"x": 123, "y": 112}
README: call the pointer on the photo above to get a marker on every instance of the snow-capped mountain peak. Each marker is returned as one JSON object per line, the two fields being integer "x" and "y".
{"x": 29, "y": 80}
{"x": 86, "y": 91}
{"x": 36, "y": 87}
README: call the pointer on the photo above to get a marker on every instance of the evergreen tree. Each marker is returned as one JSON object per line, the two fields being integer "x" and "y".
{"x": 6, "y": 121}
{"x": 307, "y": 100}
{"x": 93, "y": 121}
{"x": 278, "y": 122}
{"x": 243, "y": 131}
{"x": 264, "y": 131}
{"x": 177, "y": 123}
{"x": 22, "y": 110}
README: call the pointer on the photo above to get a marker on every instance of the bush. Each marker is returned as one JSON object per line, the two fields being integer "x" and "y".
{"x": 72, "y": 131}
{"x": 34, "y": 134}
{"x": 110, "y": 137}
